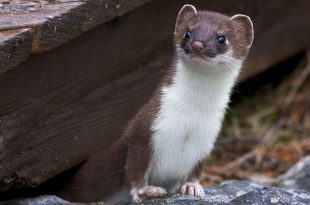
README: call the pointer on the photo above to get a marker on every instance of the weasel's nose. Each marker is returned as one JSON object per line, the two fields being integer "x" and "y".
{"x": 198, "y": 46}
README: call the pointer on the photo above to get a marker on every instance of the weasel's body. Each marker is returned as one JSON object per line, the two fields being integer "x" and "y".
{"x": 163, "y": 147}
{"x": 187, "y": 114}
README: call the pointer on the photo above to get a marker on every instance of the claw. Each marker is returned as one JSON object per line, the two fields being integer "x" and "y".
{"x": 152, "y": 191}
{"x": 192, "y": 189}
{"x": 138, "y": 195}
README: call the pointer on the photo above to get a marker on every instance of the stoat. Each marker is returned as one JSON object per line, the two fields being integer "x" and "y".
{"x": 163, "y": 148}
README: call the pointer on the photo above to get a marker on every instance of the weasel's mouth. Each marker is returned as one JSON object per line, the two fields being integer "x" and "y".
{"x": 207, "y": 54}
{"x": 199, "y": 57}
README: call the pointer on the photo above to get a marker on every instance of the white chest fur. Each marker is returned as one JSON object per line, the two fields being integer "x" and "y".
{"x": 189, "y": 120}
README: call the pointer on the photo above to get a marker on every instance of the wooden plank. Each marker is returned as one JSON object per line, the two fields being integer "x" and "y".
{"x": 61, "y": 106}
{"x": 82, "y": 102}
{"x": 53, "y": 23}
{"x": 284, "y": 39}
{"x": 56, "y": 23}
{"x": 15, "y": 47}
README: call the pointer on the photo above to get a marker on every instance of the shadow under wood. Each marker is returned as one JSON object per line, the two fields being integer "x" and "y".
{"x": 272, "y": 76}
{"x": 49, "y": 187}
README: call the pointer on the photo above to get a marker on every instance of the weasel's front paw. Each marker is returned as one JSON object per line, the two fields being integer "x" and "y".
{"x": 152, "y": 191}
{"x": 138, "y": 195}
{"x": 192, "y": 189}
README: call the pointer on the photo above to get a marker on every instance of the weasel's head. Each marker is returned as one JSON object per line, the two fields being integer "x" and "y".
{"x": 205, "y": 37}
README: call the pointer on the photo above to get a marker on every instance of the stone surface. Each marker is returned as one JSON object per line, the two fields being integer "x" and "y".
{"x": 228, "y": 193}
{"x": 293, "y": 188}
{"x": 41, "y": 200}
{"x": 298, "y": 177}
{"x": 239, "y": 193}
{"x": 44, "y": 200}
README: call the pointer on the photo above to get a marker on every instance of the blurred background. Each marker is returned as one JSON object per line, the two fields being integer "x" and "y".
{"x": 72, "y": 73}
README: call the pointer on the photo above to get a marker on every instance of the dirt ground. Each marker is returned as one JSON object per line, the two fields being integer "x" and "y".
{"x": 266, "y": 131}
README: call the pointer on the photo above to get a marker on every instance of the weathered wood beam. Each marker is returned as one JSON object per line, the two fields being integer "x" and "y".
{"x": 15, "y": 47}
{"x": 52, "y": 23}
{"x": 282, "y": 40}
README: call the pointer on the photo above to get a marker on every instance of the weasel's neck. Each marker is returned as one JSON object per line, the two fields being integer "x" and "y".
{"x": 209, "y": 85}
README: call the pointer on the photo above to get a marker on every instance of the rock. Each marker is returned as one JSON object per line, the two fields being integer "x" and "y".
{"x": 232, "y": 192}
{"x": 44, "y": 200}
{"x": 239, "y": 193}
{"x": 291, "y": 188}
{"x": 41, "y": 200}
{"x": 298, "y": 177}
{"x": 272, "y": 195}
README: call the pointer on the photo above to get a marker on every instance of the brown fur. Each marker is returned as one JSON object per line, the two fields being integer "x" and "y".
{"x": 122, "y": 164}
{"x": 195, "y": 173}
{"x": 85, "y": 187}
{"x": 206, "y": 26}
{"x": 125, "y": 163}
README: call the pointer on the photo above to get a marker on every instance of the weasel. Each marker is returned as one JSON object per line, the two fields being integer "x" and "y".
{"x": 163, "y": 148}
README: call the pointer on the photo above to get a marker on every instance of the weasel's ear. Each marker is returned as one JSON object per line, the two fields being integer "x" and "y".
{"x": 244, "y": 28}
{"x": 186, "y": 11}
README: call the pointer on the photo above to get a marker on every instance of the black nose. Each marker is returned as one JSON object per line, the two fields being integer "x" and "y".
{"x": 198, "y": 46}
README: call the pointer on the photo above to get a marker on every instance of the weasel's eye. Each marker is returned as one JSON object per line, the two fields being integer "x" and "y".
{"x": 221, "y": 40}
{"x": 188, "y": 34}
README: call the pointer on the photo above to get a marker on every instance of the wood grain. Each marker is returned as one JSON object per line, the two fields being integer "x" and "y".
{"x": 52, "y": 23}
{"x": 15, "y": 47}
